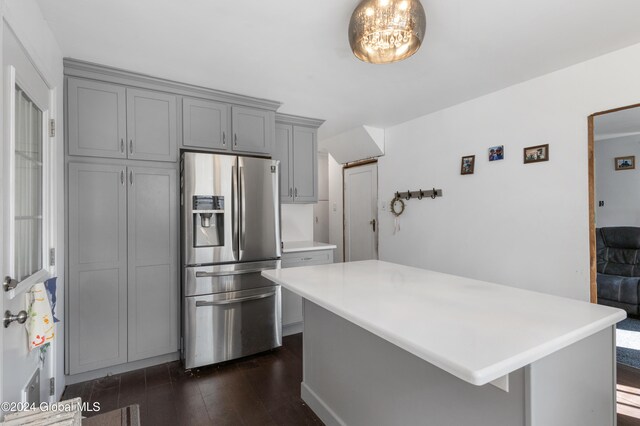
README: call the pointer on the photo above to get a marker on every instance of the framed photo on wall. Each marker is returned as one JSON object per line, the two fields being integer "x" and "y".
{"x": 626, "y": 163}
{"x": 467, "y": 165}
{"x": 536, "y": 154}
{"x": 496, "y": 153}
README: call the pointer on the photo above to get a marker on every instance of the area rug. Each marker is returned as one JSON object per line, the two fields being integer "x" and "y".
{"x": 628, "y": 342}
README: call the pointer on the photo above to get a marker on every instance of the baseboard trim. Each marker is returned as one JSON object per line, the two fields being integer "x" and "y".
{"x": 318, "y": 406}
{"x": 120, "y": 368}
{"x": 295, "y": 328}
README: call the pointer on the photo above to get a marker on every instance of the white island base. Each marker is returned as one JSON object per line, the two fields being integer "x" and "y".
{"x": 353, "y": 377}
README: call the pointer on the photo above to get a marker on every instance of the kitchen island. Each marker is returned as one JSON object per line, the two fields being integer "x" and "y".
{"x": 390, "y": 344}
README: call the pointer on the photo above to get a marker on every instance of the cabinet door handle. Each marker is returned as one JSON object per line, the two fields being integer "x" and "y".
{"x": 235, "y": 139}
{"x": 131, "y": 146}
{"x": 131, "y": 176}
{"x": 122, "y": 145}
{"x": 290, "y": 192}
{"x": 295, "y": 194}
{"x": 122, "y": 177}
{"x": 224, "y": 138}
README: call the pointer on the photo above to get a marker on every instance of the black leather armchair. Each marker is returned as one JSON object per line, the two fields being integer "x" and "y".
{"x": 618, "y": 259}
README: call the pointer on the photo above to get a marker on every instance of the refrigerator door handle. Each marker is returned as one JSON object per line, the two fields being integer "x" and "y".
{"x": 202, "y": 274}
{"x": 234, "y": 211}
{"x": 242, "y": 209}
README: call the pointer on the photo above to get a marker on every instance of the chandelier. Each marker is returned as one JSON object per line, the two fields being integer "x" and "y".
{"x": 383, "y": 31}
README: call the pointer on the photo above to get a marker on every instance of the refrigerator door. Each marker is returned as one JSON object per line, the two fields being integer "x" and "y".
{"x": 259, "y": 205}
{"x": 209, "y": 208}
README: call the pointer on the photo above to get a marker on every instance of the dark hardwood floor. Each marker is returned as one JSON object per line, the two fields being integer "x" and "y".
{"x": 628, "y": 396}
{"x": 259, "y": 390}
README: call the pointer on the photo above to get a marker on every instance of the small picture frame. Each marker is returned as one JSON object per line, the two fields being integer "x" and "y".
{"x": 467, "y": 165}
{"x": 536, "y": 154}
{"x": 626, "y": 163}
{"x": 496, "y": 153}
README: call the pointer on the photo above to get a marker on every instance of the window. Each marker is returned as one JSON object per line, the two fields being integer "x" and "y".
{"x": 28, "y": 214}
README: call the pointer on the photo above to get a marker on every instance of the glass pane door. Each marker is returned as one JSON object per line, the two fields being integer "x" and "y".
{"x": 28, "y": 187}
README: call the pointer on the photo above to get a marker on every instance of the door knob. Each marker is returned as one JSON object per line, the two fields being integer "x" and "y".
{"x": 373, "y": 223}
{"x": 9, "y": 318}
{"x": 9, "y": 283}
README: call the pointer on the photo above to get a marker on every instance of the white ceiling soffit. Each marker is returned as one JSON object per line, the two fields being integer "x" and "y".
{"x": 297, "y": 52}
{"x": 617, "y": 124}
{"x": 356, "y": 144}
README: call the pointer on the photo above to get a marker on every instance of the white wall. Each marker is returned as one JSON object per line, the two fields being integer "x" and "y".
{"x": 336, "y": 227}
{"x": 297, "y": 222}
{"x": 510, "y": 223}
{"x": 619, "y": 189}
{"x": 24, "y": 18}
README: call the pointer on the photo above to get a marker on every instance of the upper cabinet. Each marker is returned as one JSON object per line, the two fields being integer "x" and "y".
{"x": 96, "y": 117}
{"x": 113, "y": 113}
{"x": 220, "y": 127}
{"x": 205, "y": 124}
{"x": 253, "y": 130}
{"x": 109, "y": 120}
{"x": 296, "y": 147}
{"x": 152, "y": 125}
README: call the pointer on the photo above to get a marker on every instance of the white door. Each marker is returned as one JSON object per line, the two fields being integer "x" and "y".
{"x": 360, "y": 212}
{"x": 26, "y": 215}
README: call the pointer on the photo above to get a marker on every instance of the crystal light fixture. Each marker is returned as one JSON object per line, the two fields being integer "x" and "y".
{"x": 383, "y": 31}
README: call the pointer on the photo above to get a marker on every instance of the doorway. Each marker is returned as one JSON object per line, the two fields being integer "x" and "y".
{"x": 360, "y": 211}
{"x": 614, "y": 220}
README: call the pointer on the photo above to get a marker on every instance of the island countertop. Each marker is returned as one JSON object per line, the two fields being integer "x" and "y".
{"x": 475, "y": 330}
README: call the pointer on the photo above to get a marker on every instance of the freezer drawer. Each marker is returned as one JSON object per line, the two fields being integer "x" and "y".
{"x": 201, "y": 280}
{"x": 224, "y": 326}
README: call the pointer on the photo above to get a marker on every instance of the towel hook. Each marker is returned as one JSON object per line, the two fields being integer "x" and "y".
{"x": 408, "y": 195}
{"x": 434, "y": 194}
{"x": 421, "y": 196}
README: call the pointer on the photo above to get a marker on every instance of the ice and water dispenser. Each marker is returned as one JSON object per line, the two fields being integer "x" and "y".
{"x": 208, "y": 221}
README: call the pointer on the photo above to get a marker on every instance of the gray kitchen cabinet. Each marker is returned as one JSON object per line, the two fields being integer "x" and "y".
{"x": 206, "y": 124}
{"x": 123, "y": 264}
{"x": 292, "y": 303}
{"x": 151, "y": 125}
{"x": 96, "y": 119}
{"x": 111, "y": 121}
{"x": 253, "y": 130}
{"x": 305, "y": 165}
{"x": 283, "y": 151}
{"x": 296, "y": 146}
{"x": 97, "y": 275}
{"x": 153, "y": 262}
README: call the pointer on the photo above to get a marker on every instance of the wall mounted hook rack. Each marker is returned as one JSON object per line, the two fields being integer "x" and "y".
{"x": 419, "y": 194}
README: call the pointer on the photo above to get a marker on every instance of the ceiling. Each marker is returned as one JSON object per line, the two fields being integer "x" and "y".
{"x": 617, "y": 124}
{"x": 297, "y": 52}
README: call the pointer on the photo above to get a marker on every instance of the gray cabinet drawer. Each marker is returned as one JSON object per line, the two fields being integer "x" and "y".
{"x": 307, "y": 258}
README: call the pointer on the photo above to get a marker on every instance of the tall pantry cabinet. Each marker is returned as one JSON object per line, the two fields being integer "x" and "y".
{"x": 123, "y": 225}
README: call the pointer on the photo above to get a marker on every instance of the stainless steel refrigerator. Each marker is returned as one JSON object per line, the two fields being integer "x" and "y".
{"x": 230, "y": 233}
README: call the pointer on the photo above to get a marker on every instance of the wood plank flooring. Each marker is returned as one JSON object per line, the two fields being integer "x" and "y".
{"x": 259, "y": 390}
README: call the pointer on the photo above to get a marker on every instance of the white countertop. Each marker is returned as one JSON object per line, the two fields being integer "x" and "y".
{"x": 297, "y": 246}
{"x": 475, "y": 330}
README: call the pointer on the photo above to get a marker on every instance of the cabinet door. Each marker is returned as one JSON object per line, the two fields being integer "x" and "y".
{"x": 151, "y": 126}
{"x": 205, "y": 124}
{"x": 283, "y": 151}
{"x": 153, "y": 262}
{"x": 97, "y": 323}
{"x": 96, "y": 119}
{"x": 253, "y": 130}
{"x": 305, "y": 165}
